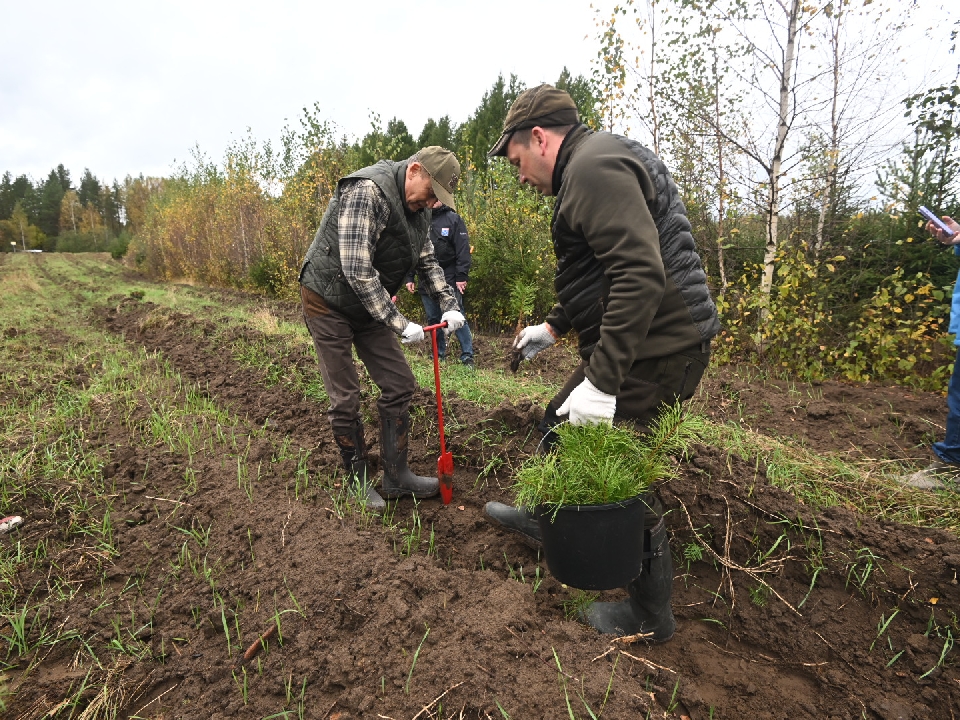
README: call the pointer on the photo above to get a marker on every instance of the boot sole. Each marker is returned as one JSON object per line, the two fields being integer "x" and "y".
{"x": 397, "y": 494}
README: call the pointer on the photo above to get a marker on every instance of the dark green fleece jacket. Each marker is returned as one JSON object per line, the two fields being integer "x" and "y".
{"x": 629, "y": 279}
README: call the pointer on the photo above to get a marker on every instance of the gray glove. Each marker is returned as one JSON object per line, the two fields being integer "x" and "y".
{"x": 454, "y": 320}
{"x": 412, "y": 333}
{"x": 534, "y": 338}
{"x": 588, "y": 406}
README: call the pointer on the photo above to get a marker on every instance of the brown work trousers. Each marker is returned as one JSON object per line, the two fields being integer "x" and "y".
{"x": 650, "y": 385}
{"x": 378, "y": 348}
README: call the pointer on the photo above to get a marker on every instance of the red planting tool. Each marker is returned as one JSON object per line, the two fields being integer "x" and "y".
{"x": 445, "y": 461}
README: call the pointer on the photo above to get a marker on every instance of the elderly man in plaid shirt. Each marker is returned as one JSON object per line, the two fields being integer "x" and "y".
{"x": 373, "y": 233}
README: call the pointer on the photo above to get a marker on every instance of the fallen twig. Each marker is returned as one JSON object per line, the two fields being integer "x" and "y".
{"x": 603, "y": 655}
{"x": 727, "y": 563}
{"x": 631, "y": 639}
{"x": 767, "y": 658}
{"x": 256, "y": 646}
{"x": 137, "y": 713}
{"x": 175, "y": 502}
{"x": 651, "y": 665}
{"x": 437, "y": 698}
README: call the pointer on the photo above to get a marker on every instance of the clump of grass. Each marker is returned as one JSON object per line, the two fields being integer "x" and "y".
{"x": 600, "y": 464}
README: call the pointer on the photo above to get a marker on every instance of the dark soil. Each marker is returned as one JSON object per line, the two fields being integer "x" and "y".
{"x": 477, "y": 627}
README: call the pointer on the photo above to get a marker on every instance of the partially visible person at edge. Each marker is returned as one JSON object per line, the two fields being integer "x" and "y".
{"x": 944, "y": 472}
{"x": 451, "y": 246}
{"x": 373, "y": 233}
{"x": 630, "y": 282}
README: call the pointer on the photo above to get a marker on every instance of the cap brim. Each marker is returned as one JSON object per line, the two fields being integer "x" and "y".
{"x": 500, "y": 148}
{"x": 443, "y": 195}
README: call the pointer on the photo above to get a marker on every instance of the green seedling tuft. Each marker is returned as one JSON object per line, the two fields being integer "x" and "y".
{"x": 861, "y": 568}
{"x": 576, "y": 605}
{"x": 883, "y": 626}
{"x": 944, "y": 651}
{"x": 413, "y": 664}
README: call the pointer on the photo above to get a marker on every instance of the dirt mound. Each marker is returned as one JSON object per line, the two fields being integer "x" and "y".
{"x": 784, "y": 610}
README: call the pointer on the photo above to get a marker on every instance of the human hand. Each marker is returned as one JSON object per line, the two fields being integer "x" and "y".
{"x": 534, "y": 338}
{"x": 412, "y": 333}
{"x": 411, "y": 287}
{"x": 941, "y": 235}
{"x": 462, "y": 286}
{"x": 586, "y": 405}
{"x": 454, "y": 320}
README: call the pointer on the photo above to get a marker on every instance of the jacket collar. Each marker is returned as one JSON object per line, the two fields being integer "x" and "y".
{"x": 572, "y": 140}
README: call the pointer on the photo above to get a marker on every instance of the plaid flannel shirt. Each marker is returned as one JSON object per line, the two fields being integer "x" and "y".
{"x": 363, "y": 216}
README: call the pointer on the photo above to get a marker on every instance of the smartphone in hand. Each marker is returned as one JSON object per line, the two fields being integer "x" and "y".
{"x": 928, "y": 214}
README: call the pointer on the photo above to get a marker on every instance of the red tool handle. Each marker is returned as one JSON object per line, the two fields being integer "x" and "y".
{"x": 432, "y": 329}
{"x": 445, "y": 461}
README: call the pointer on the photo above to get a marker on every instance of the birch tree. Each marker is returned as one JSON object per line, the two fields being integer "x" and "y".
{"x": 70, "y": 209}
{"x": 675, "y": 87}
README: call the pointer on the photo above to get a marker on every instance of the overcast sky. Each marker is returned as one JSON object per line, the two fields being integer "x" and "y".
{"x": 125, "y": 88}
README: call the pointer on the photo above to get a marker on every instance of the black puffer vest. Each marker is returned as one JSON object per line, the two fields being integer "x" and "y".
{"x": 581, "y": 286}
{"x": 397, "y": 250}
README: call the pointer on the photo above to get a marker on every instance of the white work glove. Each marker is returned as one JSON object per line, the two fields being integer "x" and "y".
{"x": 532, "y": 339}
{"x": 588, "y": 406}
{"x": 454, "y": 320}
{"x": 411, "y": 333}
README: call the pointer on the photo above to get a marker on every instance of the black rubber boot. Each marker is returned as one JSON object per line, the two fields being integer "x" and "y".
{"x": 518, "y": 520}
{"x": 353, "y": 450}
{"x": 398, "y": 480}
{"x": 647, "y": 610}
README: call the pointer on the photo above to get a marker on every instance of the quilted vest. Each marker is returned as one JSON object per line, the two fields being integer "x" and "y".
{"x": 396, "y": 252}
{"x": 580, "y": 281}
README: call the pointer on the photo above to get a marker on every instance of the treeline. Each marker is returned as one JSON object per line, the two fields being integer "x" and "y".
{"x": 868, "y": 301}
{"x": 804, "y": 210}
{"x": 249, "y": 219}
{"x": 60, "y": 215}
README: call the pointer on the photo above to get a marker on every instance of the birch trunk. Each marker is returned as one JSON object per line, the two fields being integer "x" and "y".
{"x": 833, "y": 157}
{"x": 774, "y": 170}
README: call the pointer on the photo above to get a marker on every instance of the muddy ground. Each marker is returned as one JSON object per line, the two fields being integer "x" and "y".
{"x": 782, "y": 616}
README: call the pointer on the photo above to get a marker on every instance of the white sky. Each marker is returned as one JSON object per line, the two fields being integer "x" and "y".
{"x": 125, "y": 88}
{"x": 131, "y": 87}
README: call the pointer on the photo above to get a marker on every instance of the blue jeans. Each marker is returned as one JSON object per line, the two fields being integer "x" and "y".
{"x": 463, "y": 334}
{"x": 949, "y": 449}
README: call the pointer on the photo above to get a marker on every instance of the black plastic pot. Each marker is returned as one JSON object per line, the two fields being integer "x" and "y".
{"x": 594, "y": 547}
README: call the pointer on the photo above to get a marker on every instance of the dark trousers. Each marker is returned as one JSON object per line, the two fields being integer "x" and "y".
{"x": 650, "y": 385}
{"x": 464, "y": 336}
{"x": 334, "y": 337}
{"x": 948, "y": 449}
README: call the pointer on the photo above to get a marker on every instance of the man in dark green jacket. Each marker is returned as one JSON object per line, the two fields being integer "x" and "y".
{"x": 372, "y": 234}
{"x": 629, "y": 281}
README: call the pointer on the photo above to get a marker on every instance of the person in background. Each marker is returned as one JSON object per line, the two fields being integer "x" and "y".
{"x": 373, "y": 233}
{"x": 944, "y": 472}
{"x": 629, "y": 281}
{"x": 451, "y": 247}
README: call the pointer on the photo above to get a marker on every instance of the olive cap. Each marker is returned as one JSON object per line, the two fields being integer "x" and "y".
{"x": 444, "y": 170}
{"x": 543, "y": 105}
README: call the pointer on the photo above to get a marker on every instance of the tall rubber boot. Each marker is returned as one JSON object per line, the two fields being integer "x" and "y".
{"x": 647, "y": 611}
{"x": 515, "y": 519}
{"x": 353, "y": 451}
{"x": 398, "y": 480}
